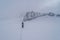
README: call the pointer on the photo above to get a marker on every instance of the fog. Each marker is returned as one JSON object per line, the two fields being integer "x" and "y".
{"x": 43, "y": 28}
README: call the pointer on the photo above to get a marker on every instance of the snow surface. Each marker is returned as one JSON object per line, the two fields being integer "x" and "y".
{"x": 42, "y": 28}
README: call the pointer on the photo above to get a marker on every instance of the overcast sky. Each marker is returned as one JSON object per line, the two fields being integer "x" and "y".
{"x": 12, "y": 8}
{"x": 12, "y": 12}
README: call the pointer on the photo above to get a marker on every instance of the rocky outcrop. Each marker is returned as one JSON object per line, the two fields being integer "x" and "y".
{"x": 32, "y": 15}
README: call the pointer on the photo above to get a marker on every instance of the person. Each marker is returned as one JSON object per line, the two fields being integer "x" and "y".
{"x": 22, "y": 24}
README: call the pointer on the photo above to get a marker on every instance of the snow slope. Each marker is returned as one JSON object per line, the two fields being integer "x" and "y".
{"x": 43, "y": 28}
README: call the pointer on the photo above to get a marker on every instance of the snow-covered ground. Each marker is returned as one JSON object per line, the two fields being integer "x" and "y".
{"x": 42, "y": 28}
